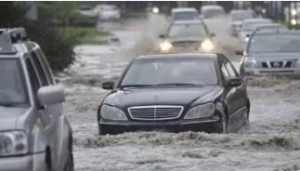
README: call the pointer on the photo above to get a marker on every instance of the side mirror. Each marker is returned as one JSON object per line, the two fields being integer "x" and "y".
{"x": 162, "y": 36}
{"x": 212, "y": 35}
{"x": 234, "y": 82}
{"x": 51, "y": 95}
{"x": 239, "y": 52}
{"x": 108, "y": 85}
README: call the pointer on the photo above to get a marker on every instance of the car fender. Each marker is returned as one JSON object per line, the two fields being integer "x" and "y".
{"x": 64, "y": 134}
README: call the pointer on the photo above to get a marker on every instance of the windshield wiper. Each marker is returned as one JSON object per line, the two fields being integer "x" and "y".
{"x": 8, "y": 104}
{"x": 136, "y": 85}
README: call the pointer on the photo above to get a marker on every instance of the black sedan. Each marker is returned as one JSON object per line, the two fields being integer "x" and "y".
{"x": 176, "y": 92}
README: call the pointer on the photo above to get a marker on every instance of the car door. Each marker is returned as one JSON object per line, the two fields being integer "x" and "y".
{"x": 47, "y": 113}
{"x": 54, "y": 112}
{"x": 36, "y": 83}
{"x": 240, "y": 100}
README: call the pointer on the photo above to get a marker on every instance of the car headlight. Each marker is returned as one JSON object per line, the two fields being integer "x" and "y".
{"x": 200, "y": 111}
{"x": 166, "y": 46}
{"x": 207, "y": 45}
{"x": 250, "y": 63}
{"x": 13, "y": 143}
{"x": 112, "y": 113}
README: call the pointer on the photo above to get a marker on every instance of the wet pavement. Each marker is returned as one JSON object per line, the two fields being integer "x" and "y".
{"x": 270, "y": 142}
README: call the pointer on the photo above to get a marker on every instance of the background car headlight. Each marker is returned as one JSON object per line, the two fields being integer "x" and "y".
{"x": 166, "y": 46}
{"x": 250, "y": 63}
{"x": 13, "y": 143}
{"x": 200, "y": 111}
{"x": 112, "y": 113}
{"x": 207, "y": 45}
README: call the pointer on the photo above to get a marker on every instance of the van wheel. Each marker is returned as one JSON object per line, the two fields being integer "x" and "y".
{"x": 69, "y": 166}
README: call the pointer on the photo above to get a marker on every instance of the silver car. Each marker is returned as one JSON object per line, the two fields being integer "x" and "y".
{"x": 34, "y": 133}
{"x": 237, "y": 17}
{"x": 272, "y": 53}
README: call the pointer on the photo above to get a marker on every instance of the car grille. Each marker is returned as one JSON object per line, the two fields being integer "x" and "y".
{"x": 277, "y": 64}
{"x": 154, "y": 113}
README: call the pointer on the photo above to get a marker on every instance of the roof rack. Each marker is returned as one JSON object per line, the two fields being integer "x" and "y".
{"x": 9, "y": 36}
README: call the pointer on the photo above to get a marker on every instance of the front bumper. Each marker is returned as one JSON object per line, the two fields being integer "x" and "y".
{"x": 32, "y": 162}
{"x": 115, "y": 127}
{"x": 272, "y": 71}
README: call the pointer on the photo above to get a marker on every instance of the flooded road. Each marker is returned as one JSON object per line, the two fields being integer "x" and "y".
{"x": 271, "y": 141}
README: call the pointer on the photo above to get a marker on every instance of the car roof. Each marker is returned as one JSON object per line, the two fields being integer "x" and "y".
{"x": 179, "y": 56}
{"x": 175, "y": 10}
{"x": 270, "y": 25}
{"x": 185, "y": 22}
{"x": 277, "y": 32}
{"x": 256, "y": 20}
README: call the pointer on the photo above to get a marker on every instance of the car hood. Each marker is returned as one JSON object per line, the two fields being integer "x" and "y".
{"x": 274, "y": 56}
{"x": 9, "y": 117}
{"x": 162, "y": 96}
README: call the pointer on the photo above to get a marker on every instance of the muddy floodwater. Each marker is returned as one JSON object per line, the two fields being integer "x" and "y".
{"x": 270, "y": 142}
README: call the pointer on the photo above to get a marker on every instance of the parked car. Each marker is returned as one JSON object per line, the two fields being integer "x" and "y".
{"x": 237, "y": 17}
{"x": 176, "y": 92}
{"x": 274, "y": 52}
{"x": 212, "y": 11}
{"x": 179, "y": 14}
{"x": 185, "y": 36}
{"x": 108, "y": 12}
{"x": 249, "y": 26}
{"x": 34, "y": 133}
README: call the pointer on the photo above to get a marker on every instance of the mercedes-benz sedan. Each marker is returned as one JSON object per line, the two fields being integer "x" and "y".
{"x": 176, "y": 92}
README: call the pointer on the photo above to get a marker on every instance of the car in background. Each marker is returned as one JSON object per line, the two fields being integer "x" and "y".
{"x": 274, "y": 52}
{"x": 108, "y": 12}
{"x": 179, "y": 14}
{"x": 212, "y": 11}
{"x": 237, "y": 17}
{"x": 176, "y": 92}
{"x": 249, "y": 26}
{"x": 35, "y": 135}
{"x": 187, "y": 36}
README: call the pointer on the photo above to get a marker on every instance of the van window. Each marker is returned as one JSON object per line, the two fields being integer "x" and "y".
{"x": 40, "y": 69}
{"x": 33, "y": 78}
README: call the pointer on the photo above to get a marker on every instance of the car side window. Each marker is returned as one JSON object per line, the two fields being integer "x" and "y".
{"x": 224, "y": 71}
{"x": 40, "y": 69}
{"x": 231, "y": 70}
{"x": 45, "y": 63}
{"x": 33, "y": 78}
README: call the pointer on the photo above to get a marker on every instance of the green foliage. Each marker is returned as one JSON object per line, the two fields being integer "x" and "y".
{"x": 58, "y": 46}
{"x": 60, "y": 12}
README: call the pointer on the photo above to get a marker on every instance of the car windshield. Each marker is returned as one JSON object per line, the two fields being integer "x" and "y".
{"x": 186, "y": 16}
{"x": 242, "y": 15}
{"x": 12, "y": 88}
{"x": 251, "y": 26}
{"x": 181, "y": 30}
{"x": 155, "y": 72}
{"x": 274, "y": 43}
